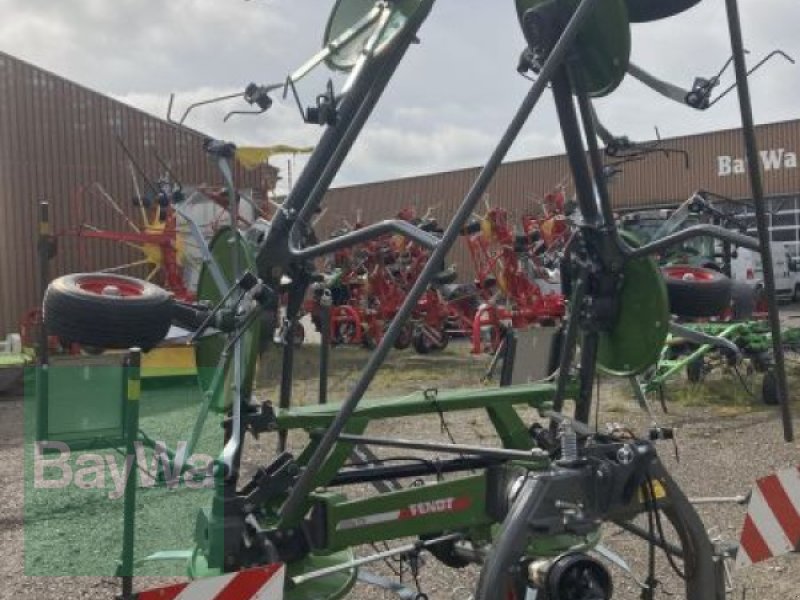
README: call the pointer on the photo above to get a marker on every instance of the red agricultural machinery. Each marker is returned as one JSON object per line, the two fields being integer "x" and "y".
{"x": 368, "y": 283}
{"x": 511, "y": 298}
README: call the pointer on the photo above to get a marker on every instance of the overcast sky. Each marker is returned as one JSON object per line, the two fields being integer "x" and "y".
{"x": 446, "y": 107}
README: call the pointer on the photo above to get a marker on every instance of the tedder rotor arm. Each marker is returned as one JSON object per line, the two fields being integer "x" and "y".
{"x": 715, "y": 231}
{"x": 295, "y": 505}
{"x": 699, "y": 97}
{"x": 365, "y": 234}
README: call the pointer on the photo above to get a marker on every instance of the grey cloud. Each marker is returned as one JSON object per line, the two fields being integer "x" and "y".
{"x": 449, "y": 102}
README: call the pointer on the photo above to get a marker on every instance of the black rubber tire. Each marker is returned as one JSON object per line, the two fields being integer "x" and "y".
{"x": 73, "y": 312}
{"x": 769, "y": 389}
{"x": 368, "y": 342}
{"x": 705, "y": 296}
{"x": 744, "y": 297}
{"x": 445, "y": 553}
{"x": 406, "y": 337}
{"x": 424, "y": 345}
{"x": 695, "y": 371}
{"x": 344, "y": 334}
{"x": 298, "y": 335}
{"x": 420, "y": 342}
{"x": 266, "y": 338}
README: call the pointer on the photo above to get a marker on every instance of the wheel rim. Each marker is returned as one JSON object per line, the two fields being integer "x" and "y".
{"x": 110, "y": 285}
{"x": 346, "y": 332}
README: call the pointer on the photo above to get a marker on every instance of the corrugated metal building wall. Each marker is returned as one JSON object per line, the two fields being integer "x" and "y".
{"x": 655, "y": 181}
{"x": 57, "y": 139}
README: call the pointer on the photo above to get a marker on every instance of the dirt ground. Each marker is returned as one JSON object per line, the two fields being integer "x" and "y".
{"x": 726, "y": 440}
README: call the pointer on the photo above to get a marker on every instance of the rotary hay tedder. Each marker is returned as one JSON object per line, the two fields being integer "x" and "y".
{"x": 530, "y": 512}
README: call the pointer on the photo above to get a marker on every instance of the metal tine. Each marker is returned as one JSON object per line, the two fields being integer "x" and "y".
{"x": 195, "y": 105}
{"x": 761, "y": 63}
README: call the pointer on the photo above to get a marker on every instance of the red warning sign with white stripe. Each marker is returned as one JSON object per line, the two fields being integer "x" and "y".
{"x": 772, "y": 525}
{"x": 262, "y": 583}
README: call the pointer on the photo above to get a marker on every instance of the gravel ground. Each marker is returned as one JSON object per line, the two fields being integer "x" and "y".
{"x": 723, "y": 447}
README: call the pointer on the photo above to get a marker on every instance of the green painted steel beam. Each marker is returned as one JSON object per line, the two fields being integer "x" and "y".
{"x": 456, "y": 505}
{"x": 538, "y": 395}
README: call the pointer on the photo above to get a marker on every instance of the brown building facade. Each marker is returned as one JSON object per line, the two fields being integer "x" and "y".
{"x": 57, "y": 139}
{"x": 712, "y": 161}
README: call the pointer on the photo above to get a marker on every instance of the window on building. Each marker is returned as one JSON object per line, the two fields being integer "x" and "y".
{"x": 784, "y": 235}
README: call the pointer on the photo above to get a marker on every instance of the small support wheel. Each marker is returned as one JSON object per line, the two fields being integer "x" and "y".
{"x": 105, "y": 310}
{"x": 427, "y": 340}
{"x": 405, "y": 338}
{"x": 769, "y": 389}
{"x": 298, "y": 334}
{"x": 695, "y": 370}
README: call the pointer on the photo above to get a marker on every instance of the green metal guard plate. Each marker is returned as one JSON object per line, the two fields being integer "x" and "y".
{"x": 209, "y": 348}
{"x": 604, "y": 45}
{"x": 636, "y": 341}
{"x": 347, "y": 13}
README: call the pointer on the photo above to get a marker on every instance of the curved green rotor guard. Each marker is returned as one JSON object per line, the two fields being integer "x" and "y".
{"x": 346, "y": 13}
{"x": 604, "y": 44}
{"x": 208, "y": 349}
{"x": 639, "y": 335}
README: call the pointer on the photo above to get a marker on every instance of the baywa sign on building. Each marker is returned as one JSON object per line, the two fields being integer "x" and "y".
{"x": 775, "y": 159}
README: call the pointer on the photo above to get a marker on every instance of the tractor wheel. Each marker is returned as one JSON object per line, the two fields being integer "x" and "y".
{"x": 744, "y": 297}
{"x": 267, "y": 324}
{"x": 406, "y": 337}
{"x": 298, "y": 335}
{"x": 696, "y": 292}
{"x": 368, "y": 342}
{"x": 107, "y": 311}
{"x": 344, "y": 334}
{"x": 424, "y": 342}
{"x": 695, "y": 371}
{"x": 446, "y": 554}
{"x": 769, "y": 389}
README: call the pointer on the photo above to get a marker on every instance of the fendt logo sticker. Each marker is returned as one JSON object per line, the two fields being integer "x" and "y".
{"x": 443, "y": 505}
{"x": 412, "y": 511}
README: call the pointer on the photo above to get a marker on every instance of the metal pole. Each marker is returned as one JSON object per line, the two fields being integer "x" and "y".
{"x": 43, "y": 371}
{"x": 296, "y": 295}
{"x": 132, "y": 392}
{"x": 325, "y": 303}
{"x": 588, "y": 121}
{"x": 295, "y": 505}
{"x": 757, "y": 185}
{"x": 571, "y": 132}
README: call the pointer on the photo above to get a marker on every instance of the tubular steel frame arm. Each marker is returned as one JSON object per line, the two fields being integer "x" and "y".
{"x": 366, "y": 234}
{"x": 295, "y": 505}
{"x": 353, "y": 111}
{"x": 751, "y": 146}
{"x": 715, "y": 231}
